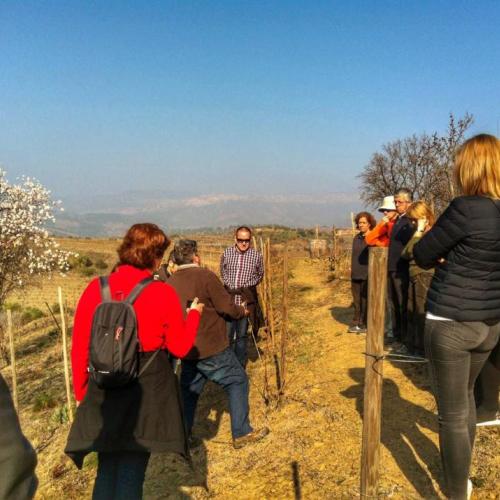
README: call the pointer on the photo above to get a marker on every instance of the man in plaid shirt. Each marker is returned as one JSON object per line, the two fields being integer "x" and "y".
{"x": 242, "y": 269}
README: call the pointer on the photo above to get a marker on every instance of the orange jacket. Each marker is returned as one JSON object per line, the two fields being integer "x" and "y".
{"x": 380, "y": 235}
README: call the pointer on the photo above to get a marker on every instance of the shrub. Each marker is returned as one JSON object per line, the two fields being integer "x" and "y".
{"x": 88, "y": 271}
{"x": 13, "y": 306}
{"x": 30, "y": 314}
{"x": 100, "y": 264}
{"x": 44, "y": 401}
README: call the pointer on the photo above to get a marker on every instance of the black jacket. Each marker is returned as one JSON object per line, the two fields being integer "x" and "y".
{"x": 359, "y": 261}
{"x": 402, "y": 232}
{"x": 17, "y": 457}
{"x": 466, "y": 287}
{"x": 145, "y": 415}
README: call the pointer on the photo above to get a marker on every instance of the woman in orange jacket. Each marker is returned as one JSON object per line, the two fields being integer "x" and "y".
{"x": 380, "y": 235}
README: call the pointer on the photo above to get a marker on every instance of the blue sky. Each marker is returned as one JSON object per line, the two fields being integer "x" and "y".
{"x": 232, "y": 96}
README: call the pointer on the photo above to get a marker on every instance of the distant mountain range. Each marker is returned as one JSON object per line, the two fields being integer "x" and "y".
{"x": 110, "y": 215}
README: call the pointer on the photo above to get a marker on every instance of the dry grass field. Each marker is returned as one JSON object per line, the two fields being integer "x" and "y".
{"x": 313, "y": 450}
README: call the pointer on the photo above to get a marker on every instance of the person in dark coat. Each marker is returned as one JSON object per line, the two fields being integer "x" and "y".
{"x": 463, "y": 304}
{"x": 17, "y": 457}
{"x": 399, "y": 276}
{"x": 125, "y": 424}
{"x": 359, "y": 272}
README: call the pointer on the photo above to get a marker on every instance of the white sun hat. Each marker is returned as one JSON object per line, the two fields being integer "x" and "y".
{"x": 388, "y": 204}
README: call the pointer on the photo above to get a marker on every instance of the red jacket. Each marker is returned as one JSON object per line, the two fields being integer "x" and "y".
{"x": 159, "y": 319}
{"x": 380, "y": 235}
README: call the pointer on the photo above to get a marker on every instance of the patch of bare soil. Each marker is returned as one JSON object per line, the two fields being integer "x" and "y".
{"x": 313, "y": 450}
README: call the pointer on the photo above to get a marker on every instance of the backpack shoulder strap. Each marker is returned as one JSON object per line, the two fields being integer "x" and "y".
{"x": 132, "y": 296}
{"x": 105, "y": 291}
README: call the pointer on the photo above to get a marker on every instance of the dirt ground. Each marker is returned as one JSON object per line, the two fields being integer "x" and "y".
{"x": 313, "y": 450}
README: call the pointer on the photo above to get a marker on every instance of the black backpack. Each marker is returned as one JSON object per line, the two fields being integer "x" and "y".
{"x": 114, "y": 343}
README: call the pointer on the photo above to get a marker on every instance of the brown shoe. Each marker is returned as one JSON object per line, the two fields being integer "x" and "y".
{"x": 251, "y": 437}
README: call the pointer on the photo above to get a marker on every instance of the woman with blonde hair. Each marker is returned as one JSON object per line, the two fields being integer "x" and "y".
{"x": 421, "y": 216}
{"x": 463, "y": 304}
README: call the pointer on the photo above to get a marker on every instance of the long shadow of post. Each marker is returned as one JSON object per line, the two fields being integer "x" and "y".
{"x": 401, "y": 435}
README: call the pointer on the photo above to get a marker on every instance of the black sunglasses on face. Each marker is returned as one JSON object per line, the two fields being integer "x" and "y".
{"x": 239, "y": 240}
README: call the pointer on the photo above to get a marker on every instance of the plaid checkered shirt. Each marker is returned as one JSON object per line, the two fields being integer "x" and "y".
{"x": 241, "y": 269}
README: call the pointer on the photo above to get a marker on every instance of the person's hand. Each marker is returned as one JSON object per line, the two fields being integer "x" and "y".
{"x": 247, "y": 311}
{"x": 422, "y": 224}
{"x": 196, "y": 305}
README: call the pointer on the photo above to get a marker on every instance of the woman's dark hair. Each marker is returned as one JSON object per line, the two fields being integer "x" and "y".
{"x": 368, "y": 216}
{"x": 142, "y": 245}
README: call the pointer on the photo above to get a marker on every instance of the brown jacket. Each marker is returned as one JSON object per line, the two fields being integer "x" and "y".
{"x": 194, "y": 281}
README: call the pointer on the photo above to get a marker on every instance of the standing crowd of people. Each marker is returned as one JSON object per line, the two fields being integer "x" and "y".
{"x": 444, "y": 297}
{"x": 132, "y": 327}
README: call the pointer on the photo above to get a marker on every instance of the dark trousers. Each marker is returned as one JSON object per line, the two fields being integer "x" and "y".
{"x": 488, "y": 383}
{"x": 359, "y": 290}
{"x": 457, "y": 352}
{"x": 225, "y": 370}
{"x": 417, "y": 296}
{"x": 237, "y": 330}
{"x": 120, "y": 475}
{"x": 398, "y": 290}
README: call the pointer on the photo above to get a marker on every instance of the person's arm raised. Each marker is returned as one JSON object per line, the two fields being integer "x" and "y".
{"x": 449, "y": 229}
{"x": 221, "y": 299}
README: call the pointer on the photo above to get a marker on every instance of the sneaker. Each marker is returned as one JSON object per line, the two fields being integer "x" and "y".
{"x": 469, "y": 489}
{"x": 251, "y": 437}
{"x": 357, "y": 329}
{"x": 400, "y": 349}
{"x": 485, "y": 418}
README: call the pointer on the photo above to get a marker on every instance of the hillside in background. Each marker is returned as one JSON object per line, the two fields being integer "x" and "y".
{"x": 109, "y": 215}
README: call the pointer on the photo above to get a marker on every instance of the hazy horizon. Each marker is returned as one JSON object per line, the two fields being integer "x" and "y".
{"x": 234, "y": 97}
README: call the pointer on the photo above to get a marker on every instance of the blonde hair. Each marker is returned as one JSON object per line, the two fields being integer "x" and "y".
{"x": 420, "y": 210}
{"x": 477, "y": 166}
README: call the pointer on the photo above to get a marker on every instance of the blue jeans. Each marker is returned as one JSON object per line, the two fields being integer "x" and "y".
{"x": 225, "y": 370}
{"x": 457, "y": 351}
{"x": 120, "y": 475}
{"x": 237, "y": 334}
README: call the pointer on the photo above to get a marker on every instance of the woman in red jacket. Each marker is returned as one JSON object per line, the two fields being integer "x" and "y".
{"x": 125, "y": 424}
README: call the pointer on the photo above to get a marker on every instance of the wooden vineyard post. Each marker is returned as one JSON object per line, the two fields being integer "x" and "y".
{"x": 372, "y": 406}
{"x": 269, "y": 297}
{"x": 65, "y": 354}
{"x": 12, "y": 359}
{"x": 263, "y": 285}
{"x": 284, "y": 321}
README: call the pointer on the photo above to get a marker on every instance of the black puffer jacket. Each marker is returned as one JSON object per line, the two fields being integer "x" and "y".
{"x": 466, "y": 287}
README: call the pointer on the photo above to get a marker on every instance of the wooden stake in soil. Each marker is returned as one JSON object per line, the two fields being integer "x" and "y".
{"x": 268, "y": 275}
{"x": 65, "y": 354}
{"x": 284, "y": 322}
{"x": 372, "y": 406}
{"x": 12, "y": 359}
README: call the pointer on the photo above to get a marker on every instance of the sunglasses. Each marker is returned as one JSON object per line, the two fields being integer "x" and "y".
{"x": 239, "y": 240}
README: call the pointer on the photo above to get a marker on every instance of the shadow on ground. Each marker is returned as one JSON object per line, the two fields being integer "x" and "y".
{"x": 342, "y": 314}
{"x": 401, "y": 434}
{"x": 170, "y": 476}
